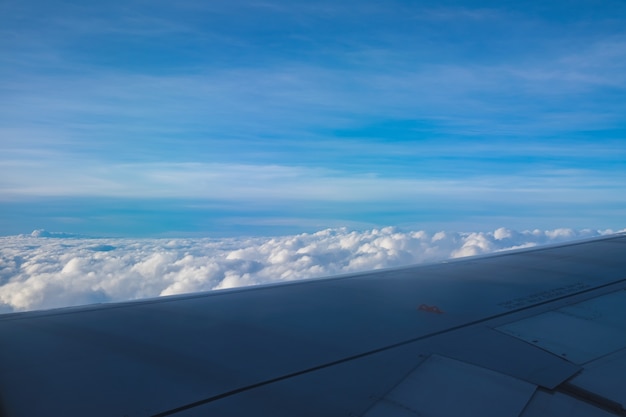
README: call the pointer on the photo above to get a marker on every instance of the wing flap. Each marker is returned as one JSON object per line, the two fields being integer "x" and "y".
{"x": 442, "y": 387}
{"x": 580, "y": 332}
{"x": 606, "y": 377}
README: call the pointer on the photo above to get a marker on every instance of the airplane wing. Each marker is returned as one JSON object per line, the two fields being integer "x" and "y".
{"x": 531, "y": 333}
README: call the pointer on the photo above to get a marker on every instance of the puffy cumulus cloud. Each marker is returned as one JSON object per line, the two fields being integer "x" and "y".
{"x": 43, "y": 271}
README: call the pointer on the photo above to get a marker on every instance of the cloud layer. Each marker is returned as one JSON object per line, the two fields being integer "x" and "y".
{"x": 47, "y": 270}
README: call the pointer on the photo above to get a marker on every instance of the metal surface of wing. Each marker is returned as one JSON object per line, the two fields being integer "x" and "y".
{"x": 536, "y": 332}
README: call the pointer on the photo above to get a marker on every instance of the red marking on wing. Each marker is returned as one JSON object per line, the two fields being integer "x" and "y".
{"x": 430, "y": 309}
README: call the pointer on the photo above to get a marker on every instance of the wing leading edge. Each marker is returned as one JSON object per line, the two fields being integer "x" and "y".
{"x": 536, "y": 332}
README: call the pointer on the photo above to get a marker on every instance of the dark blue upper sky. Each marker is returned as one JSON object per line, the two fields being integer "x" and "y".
{"x": 246, "y": 117}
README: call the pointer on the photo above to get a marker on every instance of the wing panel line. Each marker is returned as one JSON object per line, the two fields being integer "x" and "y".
{"x": 375, "y": 351}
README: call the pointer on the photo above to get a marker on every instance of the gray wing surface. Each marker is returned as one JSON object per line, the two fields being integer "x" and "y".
{"x": 531, "y": 333}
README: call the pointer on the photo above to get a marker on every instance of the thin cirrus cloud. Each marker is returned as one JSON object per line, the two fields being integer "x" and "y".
{"x": 47, "y": 270}
{"x": 297, "y": 96}
{"x": 274, "y": 183}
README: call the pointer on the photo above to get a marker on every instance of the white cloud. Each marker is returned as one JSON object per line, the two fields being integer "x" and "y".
{"x": 44, "y": 272}
{"x": 274, "y": 184}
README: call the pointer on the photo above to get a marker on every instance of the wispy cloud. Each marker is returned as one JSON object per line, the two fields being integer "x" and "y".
{"x": 279, "y": 183}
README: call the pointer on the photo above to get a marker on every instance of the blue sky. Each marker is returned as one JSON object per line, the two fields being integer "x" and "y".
{"x": 137, "y": 118}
